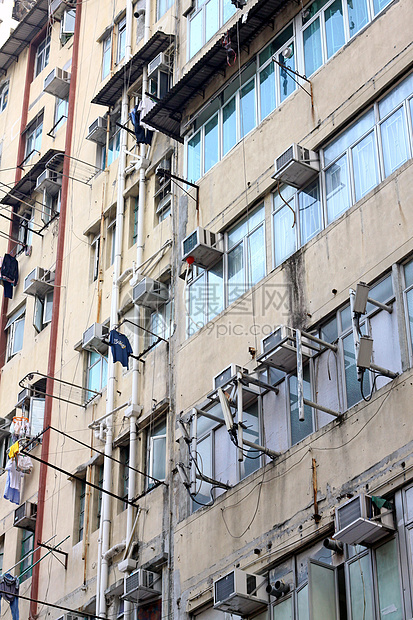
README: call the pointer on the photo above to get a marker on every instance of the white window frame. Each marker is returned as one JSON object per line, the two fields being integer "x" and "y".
{"x": 106, "y": 55}
{"x": 112, "y": 233}
{"x": 15, "y": 323}
{"x": 4, "y": 94}
{"x": 67, "y": 31}
{"x": 51, "y": 206}
{"x": 200, "y": 6}
{"x": 43, "y": 308}
{"x": 33, "y": 138}
{"x": 100, "y": 360}
{"x": 42, "y": 55}
{"x": 151, "y": 439}
{"x": 121, "y": 40}
{"x": 95, "y": 247}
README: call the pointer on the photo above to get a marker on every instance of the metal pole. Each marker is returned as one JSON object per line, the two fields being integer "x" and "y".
{"x": 257, "y": 446}
{"x": 333, "y": 347}
{"x": 300, "y": 378}
{"x": 310, "y": 403}
{"x": 240, "y": 417}
{"x": 384, "y": 371}
{"x": 378, "y": 304}
{"x": 193, "y": 452}
{"x": 356, "y": 335}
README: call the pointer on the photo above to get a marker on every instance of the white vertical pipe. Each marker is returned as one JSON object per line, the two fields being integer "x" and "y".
{"x": 300, "y": 376}
{"x": 194, "y": 432}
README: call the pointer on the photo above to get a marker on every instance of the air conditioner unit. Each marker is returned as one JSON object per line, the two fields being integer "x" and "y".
{"x": 227, "y": 375}
{"x": 58, "y": 7}
{"x": 150, "y": 293}
{"x": 38, "y": 282}
{"x": 360, "y": 522}
{"x": 25, "y": 516}
{"x": 240, "y": 592}
{"x": 23, "y": 397}
{"x": 93, "y": 338}
{"x": 97, "y": 131}
{"x": 202, "y": 248}
{"x": 160, "y": 62}
{"x": 57, "y": 83}
{"x": 296, "y": 166}
{"x": 50, "y": 181}
{"x": 279, "y": 349}
{"x": 142, "y": 585}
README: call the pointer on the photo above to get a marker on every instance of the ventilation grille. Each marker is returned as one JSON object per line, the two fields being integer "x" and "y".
{"x": 224, "y": 587}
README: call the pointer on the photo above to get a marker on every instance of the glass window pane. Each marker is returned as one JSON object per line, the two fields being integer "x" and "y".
{"x": 104, "y": 372}
{"x": 211, "y": 143}
{"x": 379, "y": 5}
{"x": 409, "y": 300}
{"x": 348, "y": 137}
{"x": 215, "y": 290}
{"x": 313, "y": 57}
{"x": 251, "y": 433}
{"x": 388, "y": 581}
{"x": 194, "y": 158}
{"x": 247, "y": 103}
{"x": 358, "y": 16}
{"x": 394, "y": 141}
{"x": 345, "y": 315}
{"x": 284, "y": 610}
{"x": 285, "y": 240}
{"x": 365, "y": 166}
{"x": 408, "y": 273}
{"x": 196, "y": 305}
{"x": 328, "y": 331}
{"x": 287, "y": 83}
{"x": 337, "y": 189}
{"x": 158, "y": 457}
{"x": 18, "y": 336}
{"x": 94, "y": 378}
{"x": 396, "y": 96}
{"x": 36, "y": 415}
{"x": 302, "y": 604}
{"x": 334, "y": 27}
{"x": 204, "y": 460}
{"x": 48, "y": 307}
{"x": 322, "y": 585}
{"x": 299, "y": 429}
{"x": 381, "y": 292}
{"x": 310, "y": 212}
{"x": 236, "y": 273}
{"x": 212, "y": 18}
{"x": 237, "y": 233}
{"x": 229, "y": 10}
{"x": 361, "y": 589}
{"x": 350, "y": 369}
{"x": 256, "y": 256}
{"x": 229, "y": 126}
{"x": 195, "y": 33}
{"x": 267, "y": 90}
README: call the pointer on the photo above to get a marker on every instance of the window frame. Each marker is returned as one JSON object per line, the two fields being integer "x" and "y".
{"x": 100, "y": 360}
{"x": 27, "y": 546}
{"x": 33, "y": 138}
{"x": 95, "y": 247}
{"x": 106, "y": 55}
{"x": 151, "y": 437}
{"x": 121, "y": 40}
{"x": 11, "y": 328}
{"x": 42, "y": 55}
{"x": 4, "y": 94}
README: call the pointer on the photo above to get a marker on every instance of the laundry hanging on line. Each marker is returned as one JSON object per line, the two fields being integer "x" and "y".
{"x": 9, "y": 274}
{"x": 121, "y": 348}
{"x": 13, "y": 482}
{"x": 9, "y": 590}
{"x": 142, "y": 134}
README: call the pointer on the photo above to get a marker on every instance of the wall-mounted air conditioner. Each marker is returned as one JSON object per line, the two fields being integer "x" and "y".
{"x": 93, "y": 338}
{"x": 159, "y": 63}
{"x": 49, "y": 180}
{"x": 296, "y": 166}
{"x": 57, "y": 83}
{"x": 202, "y": 248}
{"x": 38, "y": 282}
{"x": 25, "y": 516}
{"x": 142, "y": 585}
{"x": 150, "y": 293}
{"x": 240, "y": 593}
{"x": 69, "y": 616}
{"x": 279, "y": 349}
{"x": 227, "y": 375}
{"x": 97, "y": 130}
{"x": 360, "y": 522}
{"x": 23, "y": 397}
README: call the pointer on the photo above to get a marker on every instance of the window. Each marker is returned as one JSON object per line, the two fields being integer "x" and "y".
{"x": 60, "y": 116}
{"x": 97, "y": 371}
{"x": 33, "y": 138}
{"x": 156, "y": 452}
{"x": 124, "y": 473}
{"x": 206, "y": 20}
{"x": 99, "y": 483}
{"x": 95, "y": 248}
{"x": 106, "y": 56}
{"x": 163, "y": 192}
{"x": 51, "y": 206}
{"x": 1, "y": 553}
{"x": 26, "y": 555}
{"x": 112, "y": 234}
{"x": 107, "y": 157}
{"x": 81, "y": 501}
{"x": 369, "y": 150}
{"x": 36, "y": 415}
{"x": 43, "y": 308}
{"x": 4, "y": 94}
{"x": 25, "y": 227}
{"x": 408, "y": 299}
{"x": 244, "y": 264}
{"x": 42, "y": 56}
{"x": 162, "y": 6}
{"x": 327, "y": 25}
{"x": 15, "y": 330}
{"x": 121, "y": 40}
{"x": 67, "y": 25}
{"x": 160, "y": 322}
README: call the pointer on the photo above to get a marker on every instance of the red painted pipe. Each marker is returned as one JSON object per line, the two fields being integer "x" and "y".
{"x": 56, "y": 307}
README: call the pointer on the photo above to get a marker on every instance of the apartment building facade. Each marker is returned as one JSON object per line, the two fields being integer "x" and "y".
{"x": 209, "y": 179}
